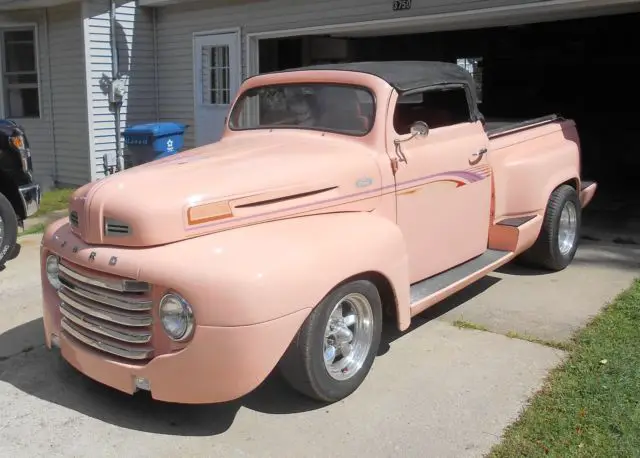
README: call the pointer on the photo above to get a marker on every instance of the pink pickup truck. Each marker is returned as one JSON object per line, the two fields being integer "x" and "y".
{"x": 339, "y": 196}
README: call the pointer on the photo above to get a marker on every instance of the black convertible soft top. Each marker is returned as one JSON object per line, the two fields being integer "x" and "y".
{"x": 405, "y": 76}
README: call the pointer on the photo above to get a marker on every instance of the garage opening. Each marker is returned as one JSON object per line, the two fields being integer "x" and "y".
{"x": 582, "y": 69}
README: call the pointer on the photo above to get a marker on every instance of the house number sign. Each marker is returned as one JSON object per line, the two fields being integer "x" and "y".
{"x": 399, "y": 5}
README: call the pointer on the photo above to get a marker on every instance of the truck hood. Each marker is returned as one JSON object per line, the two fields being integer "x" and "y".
{"x": 237, "y": 181}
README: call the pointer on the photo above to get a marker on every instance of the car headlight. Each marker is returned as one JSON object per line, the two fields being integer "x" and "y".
{"x": 53, "y": 270}
{"x": 176, "y": 317}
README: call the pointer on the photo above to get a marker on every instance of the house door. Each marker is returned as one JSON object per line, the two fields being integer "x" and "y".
{"x": 217, "y": 79}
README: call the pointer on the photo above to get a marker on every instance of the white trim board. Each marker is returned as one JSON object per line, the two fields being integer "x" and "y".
{"x": 471, "y": 19}
{"x": 86, "y": 33}
{"x": 32, "y": 4}
{"x": 217, "y": 31}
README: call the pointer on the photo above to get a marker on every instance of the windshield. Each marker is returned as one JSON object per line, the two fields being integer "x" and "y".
{"x": 319, "y": 106}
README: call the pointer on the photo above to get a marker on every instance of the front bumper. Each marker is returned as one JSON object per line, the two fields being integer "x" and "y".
{"x": 30, "y": 195}
{"x": 218, "y": 365}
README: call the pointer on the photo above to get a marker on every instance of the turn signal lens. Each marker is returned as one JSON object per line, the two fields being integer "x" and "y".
{"x": 17, "y": 142}
{"x": 206, "y": 213}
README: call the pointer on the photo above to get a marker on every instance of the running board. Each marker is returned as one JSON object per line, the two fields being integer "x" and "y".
{"x": 427, "y": 292}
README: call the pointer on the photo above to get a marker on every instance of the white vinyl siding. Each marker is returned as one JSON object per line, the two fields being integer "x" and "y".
{"x": 70, "y": 123}
{"x": 134, "y": 36}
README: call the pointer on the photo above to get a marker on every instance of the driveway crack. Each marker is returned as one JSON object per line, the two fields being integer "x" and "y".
{"x": 25, "y": 350}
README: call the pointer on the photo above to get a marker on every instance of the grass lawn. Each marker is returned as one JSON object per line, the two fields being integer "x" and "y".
{"x": 56, "y": 199}
{"x": 37, "y": 229}
{"x": 590, "y": 405}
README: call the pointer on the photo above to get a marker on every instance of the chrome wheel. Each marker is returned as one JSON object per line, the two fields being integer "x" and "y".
{"x": 1, "y": 230}
{"x": 348, "y": 336}
{"x": 568, "y": 228}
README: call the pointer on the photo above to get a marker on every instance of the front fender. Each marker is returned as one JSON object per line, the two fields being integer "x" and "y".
{"x": 262, "y": 272}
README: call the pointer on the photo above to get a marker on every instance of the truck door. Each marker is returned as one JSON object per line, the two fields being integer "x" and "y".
{"x": 443, "y": 179}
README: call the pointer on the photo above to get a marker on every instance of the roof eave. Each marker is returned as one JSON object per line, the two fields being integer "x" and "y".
{"x": 16, "y": 5}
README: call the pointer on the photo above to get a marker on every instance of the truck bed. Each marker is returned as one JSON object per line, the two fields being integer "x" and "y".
{"x": 499, "y": 127}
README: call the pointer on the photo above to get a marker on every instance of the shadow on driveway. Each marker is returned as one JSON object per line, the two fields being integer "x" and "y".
{"x": 45, "y": 375}
{"x": 590, "y": 253}
{"x": 27, "y": 365}
{"x": 391, "y": 332}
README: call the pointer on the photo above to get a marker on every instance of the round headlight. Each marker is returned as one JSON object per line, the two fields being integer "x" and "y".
{"x": 52, "y": 266}
{"x": 176, "y": 316}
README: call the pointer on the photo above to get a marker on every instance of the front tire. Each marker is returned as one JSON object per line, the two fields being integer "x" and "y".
{"x": 558, "y": 240}
{"x": 8, "y": 229}
{"x": 334, "y": 349}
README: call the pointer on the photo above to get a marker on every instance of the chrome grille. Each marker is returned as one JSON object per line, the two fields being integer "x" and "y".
{"x": 110, "y": 315}
{"x": 73, "y": 218}
{"x": 116, "y": 228}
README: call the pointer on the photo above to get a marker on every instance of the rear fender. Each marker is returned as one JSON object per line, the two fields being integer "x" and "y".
{"x": 262, "y": 272}
{"x": 527, "y": 175}
{"x": 567, "y": 176}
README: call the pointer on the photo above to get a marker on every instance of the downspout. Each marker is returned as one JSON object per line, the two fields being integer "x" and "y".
{"x": 114, "y": 77}
{"x": 52, "y": 123}
{"x": 156, "y": 75}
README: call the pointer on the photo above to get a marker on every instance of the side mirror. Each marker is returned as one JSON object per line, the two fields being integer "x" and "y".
{"x": 419, "y": 129}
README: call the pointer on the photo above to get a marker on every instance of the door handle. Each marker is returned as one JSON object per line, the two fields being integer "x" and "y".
{"x": 480, "y": 153}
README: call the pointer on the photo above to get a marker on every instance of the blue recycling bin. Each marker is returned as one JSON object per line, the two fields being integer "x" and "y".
{"x": 148, "y": 142}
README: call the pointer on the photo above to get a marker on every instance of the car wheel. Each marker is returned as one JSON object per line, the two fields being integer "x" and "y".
{"x": 8, "y": 229}
{"x": 558, "y": 240}
{"x": 334, "y": 349}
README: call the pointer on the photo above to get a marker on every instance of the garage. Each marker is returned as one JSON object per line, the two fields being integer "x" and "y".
{"x": 568, "y": 57}
{"x": 572, "y": 67}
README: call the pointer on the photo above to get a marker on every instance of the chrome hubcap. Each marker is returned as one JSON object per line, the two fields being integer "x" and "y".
{"x": 348, "y": 336}
{"x": 568, "y": 228}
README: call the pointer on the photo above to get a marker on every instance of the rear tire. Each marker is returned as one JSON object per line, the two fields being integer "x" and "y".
{"x": 8, "y": 230}
{"x": 558, "y": 240}
{"x": 334, "y": 349}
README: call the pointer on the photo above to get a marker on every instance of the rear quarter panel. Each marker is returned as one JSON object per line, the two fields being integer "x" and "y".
{"x": 529, "y": 165}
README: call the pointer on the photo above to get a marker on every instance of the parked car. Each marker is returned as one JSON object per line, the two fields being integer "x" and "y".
{"x": 19, "y": 194}
{"x": 339, "y": 196}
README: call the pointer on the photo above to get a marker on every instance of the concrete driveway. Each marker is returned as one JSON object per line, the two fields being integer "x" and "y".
{"x": 436, "y": 391}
